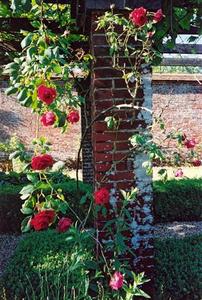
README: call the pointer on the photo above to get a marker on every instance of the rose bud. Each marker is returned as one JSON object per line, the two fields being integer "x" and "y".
{"x": 158, "y": 16}
{"x": 73, "y": 117}
{"x": 64, "y": 224}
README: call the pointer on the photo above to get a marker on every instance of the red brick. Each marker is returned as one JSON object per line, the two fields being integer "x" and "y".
{"x": 103, "y": 62}
{"x": 102, "y": 167}
{"x": 102, "y": 105}
{"x": 103, "y": 94}
{"x": 99, "y": 157}
{"x": 125, "y": 185}
{"x": 100, "y": 126}
{"x": 103, "y": 147}
{"x": 122, "y": 176}
{"x": 106, "y": 73}
{"x": 99, "y": 83}
{"x": 122, "y": 145}
{"x": 122, "y": 166}
{"x": 99, "y": 39}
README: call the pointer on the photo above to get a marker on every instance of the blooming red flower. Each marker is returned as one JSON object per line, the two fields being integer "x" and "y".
{"x": 197, "y": 163}
{"x": 73, "y": 116}
{"x": 46, "y": 94}
{"x": 102, "y": 196}
{"x": 158, "y": 16}
{"x": 139, "y": 16}
{"x": 116, "y": 281}
{"x": 179, "y": 173}
{"x": 190, "y": 143}
{"x": 48, "y": 118}
{"x": 64, "y": 224}
{"x": 41, "y": 162}
{"x": 43, "y": 219}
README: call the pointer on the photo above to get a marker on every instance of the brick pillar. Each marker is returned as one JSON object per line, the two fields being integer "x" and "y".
{"x": 115, "y": 167}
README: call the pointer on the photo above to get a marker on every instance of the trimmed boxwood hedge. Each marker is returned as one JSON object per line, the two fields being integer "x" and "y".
{"x": 46, "y": 262}
{"x": 10, "y": 203}
{"x": 178, "y": 268}
{"x": 178, "y": 200}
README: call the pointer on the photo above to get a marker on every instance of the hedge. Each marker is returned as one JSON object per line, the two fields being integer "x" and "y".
{"x": 178, "y": 200}
{"x": 10, "y": 203}
{"x": 50, "y": 265}
{"x": 178, "y": 268}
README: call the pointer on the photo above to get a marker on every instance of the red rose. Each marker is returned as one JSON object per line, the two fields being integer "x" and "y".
{"x": 190, "y": 143}
{"x": 64, "y": 224}
{"x": 46, "y": 94}
{"x": 41, "y": 162}
{"x": 196, "y": 163}
{"x": 73, "y": 117}
{"x": 139, "y": 16}
{"x": 158, "y": 16}
{"x": 116, "y": 281}
{"x": 48, "y": 118}
{"x": 43, "y": 219}
{"x": 102, "y": 196}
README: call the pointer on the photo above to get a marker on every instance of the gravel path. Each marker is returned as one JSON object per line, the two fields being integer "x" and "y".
{"x": 8, "y": 244}
{"x": 177, "y": 229}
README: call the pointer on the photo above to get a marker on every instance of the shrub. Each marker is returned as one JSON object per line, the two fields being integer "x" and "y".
{"x": 178, "y": 200}
{"x": 10, "y": 203}
{"x": 50, "y": 264}
{"x": 179, "y": 268}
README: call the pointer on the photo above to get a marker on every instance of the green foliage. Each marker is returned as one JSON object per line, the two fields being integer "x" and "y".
{"x": 10, "y": 145}
{"x": 53, "y": 264}
{"x": 178, "y": 268}
{"x": 178, "y": 200}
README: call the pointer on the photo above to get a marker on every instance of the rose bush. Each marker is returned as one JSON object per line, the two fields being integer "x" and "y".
{"x": 64, "y": 224}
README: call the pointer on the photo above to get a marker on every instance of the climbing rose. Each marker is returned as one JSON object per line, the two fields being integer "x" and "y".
{"x": 48, "y": 118}
{"x": 73, "y": 117}
{"x": 116, "y": 281}
{"x": 64, "y": 224}
{"x": 41, "y": 162}
{"x": 46, "y": 94}
{"x": 139, "y": 16}
{"x": 196, "y": 163}
{"x": 101, "y": 196}
{"x": 190, "y": 143}
{"x": 158, "y": 16}
{"x": 179, "y": 173}
{"x": 43, "y": 219}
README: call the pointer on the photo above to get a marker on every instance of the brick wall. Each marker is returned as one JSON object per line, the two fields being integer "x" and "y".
{"x": 181, "y": 103}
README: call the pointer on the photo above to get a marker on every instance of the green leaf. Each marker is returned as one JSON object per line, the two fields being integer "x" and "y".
{"x": 22, "y": 95}
{"x": 26, "y": 210}
{"x": 11, "y": 90}
{"x": 28, "y": 189}
{"x": 25, "y": 225}
{"x": 26, "y": 41}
